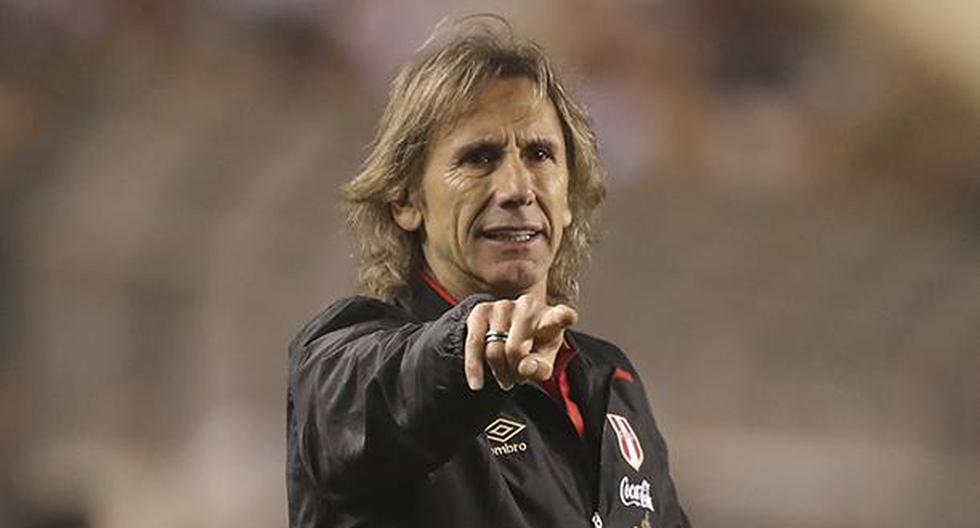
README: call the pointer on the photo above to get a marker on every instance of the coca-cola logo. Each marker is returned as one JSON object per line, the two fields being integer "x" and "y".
{"x": 636, "y": 494}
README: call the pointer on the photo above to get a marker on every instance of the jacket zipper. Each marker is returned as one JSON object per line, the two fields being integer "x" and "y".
{"x": 590, "y": 496}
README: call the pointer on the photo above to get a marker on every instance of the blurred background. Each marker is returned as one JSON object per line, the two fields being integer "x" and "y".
{"x": 790, "y": 254}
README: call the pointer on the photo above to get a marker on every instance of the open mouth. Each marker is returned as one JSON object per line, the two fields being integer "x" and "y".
{"x": 507, "y": 234}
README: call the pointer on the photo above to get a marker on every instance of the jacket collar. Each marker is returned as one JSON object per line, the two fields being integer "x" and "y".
{"x": 425, "y": 298}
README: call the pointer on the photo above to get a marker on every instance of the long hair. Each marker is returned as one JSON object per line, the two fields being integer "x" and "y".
{"x": 433, "y": 91}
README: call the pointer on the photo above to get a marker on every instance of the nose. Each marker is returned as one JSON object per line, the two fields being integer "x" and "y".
{"x": 514, "y": 184}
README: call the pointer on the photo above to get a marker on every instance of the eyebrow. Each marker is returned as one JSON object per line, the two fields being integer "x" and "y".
{"x": 491, "y": 142}
{"x": 537, "y": 140}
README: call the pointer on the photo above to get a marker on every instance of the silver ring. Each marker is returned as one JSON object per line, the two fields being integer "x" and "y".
{"x": 494, "y": 336}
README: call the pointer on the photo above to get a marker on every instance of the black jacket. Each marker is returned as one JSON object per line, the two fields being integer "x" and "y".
{"x": 383, "y": 430}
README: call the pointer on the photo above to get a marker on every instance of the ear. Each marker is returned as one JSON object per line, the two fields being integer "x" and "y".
{"x": 407, "y": 213}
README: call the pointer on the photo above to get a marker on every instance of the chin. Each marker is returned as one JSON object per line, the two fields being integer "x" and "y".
{"x": 514, "y": 280}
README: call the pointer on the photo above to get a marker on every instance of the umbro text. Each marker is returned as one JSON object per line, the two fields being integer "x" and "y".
{"x": 509, "y": 449}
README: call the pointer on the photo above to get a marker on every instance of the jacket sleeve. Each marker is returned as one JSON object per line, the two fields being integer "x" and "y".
{"x": 377, "y": 399}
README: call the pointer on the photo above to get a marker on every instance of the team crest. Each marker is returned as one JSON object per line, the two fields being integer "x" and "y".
{"x": 629, "y": 443}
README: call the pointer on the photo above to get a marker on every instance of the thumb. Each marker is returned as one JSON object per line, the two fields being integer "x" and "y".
{"x": 548, "y": 334}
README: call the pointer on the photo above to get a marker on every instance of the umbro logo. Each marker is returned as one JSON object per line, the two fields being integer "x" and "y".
{"x": 502, "y": 431}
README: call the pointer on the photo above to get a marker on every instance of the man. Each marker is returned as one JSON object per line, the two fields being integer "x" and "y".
{"x": 458, "y": 396}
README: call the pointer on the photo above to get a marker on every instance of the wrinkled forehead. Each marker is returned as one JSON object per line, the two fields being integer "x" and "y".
{"x": 489, "y": 95}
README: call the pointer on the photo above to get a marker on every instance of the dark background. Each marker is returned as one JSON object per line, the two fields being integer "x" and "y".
{"x": 790, "y": 254}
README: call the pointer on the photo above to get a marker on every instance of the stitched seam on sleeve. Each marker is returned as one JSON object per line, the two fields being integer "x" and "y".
{"x": 457, "y": 335}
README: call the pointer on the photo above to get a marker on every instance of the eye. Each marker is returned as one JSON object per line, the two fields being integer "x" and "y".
{"x": 482, "y": 156}
{"x": 540, "y": 153}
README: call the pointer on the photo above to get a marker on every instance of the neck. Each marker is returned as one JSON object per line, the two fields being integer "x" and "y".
{"x": 460, "y": 289}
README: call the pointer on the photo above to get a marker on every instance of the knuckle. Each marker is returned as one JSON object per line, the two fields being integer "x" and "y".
{"x": 505, "y": 308}
{"x": 524, "y": 306}
{"x": 527, "y": 301}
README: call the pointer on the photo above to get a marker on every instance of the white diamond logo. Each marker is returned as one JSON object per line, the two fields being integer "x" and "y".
{"x": 502, "y": 429}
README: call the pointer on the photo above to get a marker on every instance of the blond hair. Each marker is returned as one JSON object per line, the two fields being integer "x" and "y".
{"x": 433, "y": 91}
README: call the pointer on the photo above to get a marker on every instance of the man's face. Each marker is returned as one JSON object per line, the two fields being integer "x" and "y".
{"x": 494, "y": 200}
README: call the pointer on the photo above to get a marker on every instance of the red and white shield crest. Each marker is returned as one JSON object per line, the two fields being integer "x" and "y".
{"x": 629, "y": 443}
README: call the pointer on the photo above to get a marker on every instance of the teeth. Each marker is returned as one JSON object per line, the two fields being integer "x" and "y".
{"x": 516, "y": 236}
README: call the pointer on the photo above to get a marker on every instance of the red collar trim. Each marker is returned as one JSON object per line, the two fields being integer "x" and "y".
{"x": 559, "y": 388}
{"x": 564, "y": 357}
{"x": 438, "y": 288}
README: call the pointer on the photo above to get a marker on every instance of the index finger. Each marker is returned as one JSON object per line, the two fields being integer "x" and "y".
{"x": 555, "y": 319}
